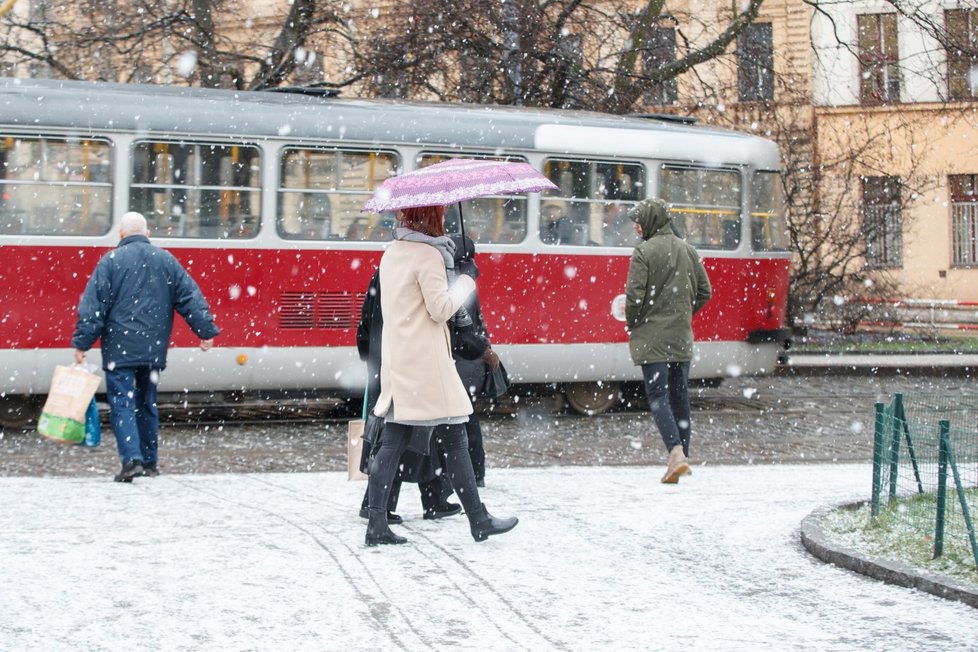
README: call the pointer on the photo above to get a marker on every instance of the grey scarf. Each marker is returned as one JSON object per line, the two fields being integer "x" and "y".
{"x": 444, "y": 244}
{"x": 446, "y": 247}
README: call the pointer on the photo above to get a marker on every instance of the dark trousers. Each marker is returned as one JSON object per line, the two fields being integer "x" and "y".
{"x": 434, "y": 494}
{"x": 473, "y": 430}
{"x": 666, "y": 384}
{"x": 132, "y": 412}
{"x": 450, "y": 439}
{"x": 395, "y": 494}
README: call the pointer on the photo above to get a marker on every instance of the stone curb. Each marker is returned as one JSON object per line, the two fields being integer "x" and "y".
{"x": 815, "y": 539}
{"x": 878, "y": 368}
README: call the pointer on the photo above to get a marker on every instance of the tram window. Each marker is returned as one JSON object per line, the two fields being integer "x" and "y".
{"x": 322, "y": 191}
{"x": 590, "y": 206}
{"x": 491, "y": 220}
{"x": 705, "y": 205}
{"x": 768, "y": 226}
{"x": 197, "y": 190}
{"x": 55, "y": 186}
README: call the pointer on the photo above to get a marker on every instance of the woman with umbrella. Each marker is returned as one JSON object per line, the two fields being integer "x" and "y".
{"x": 420, "y": 388}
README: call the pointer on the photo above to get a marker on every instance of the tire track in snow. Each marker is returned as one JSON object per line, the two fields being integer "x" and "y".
{"x": 385, "y": 624}
{"x": 531, "y": 632}
{"x": 520, "y": 639}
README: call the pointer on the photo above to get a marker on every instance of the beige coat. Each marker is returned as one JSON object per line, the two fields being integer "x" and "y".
{"x": 417, "y": 373}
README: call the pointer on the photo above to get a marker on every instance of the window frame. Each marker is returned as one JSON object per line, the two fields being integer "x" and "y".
{"x": 963, "y": 219}
{"x": 720, "y": 210}
{"x": 755, "y": 63}
{"x": 502, "y": 234}
{"x": 957, "y": 58}
{"x": 760, "y": 221}
{"x": 660, "y": 49}
{"x": 879, "y": 69}
{"x": 568, "y": 229}
{"x": 168, "y": 187}
{"x": 369, "y": 222}
{"x": 873, "y": 206}
{"x": 65, "y": 139}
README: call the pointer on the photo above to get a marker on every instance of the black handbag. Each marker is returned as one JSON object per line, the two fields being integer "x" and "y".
{"x": 372, "y": 429}
{"x": 467, "y": 342}
{"x": 372, "y": 432}
{"x": 496, "y": 383}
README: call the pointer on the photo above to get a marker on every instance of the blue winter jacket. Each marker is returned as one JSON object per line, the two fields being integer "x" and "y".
{"x": 129, "y": 303}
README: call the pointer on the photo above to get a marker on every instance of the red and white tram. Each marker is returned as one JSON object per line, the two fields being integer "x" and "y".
{"x": 259, "y": 196}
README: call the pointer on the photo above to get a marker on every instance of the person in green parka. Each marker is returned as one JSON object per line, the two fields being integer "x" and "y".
{"x": 667, "y": 284}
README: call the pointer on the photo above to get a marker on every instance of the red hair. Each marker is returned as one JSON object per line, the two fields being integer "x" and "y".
{"x": 429, "y": 220}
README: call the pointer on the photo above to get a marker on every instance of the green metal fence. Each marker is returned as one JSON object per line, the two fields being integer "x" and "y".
{"x": 925, "y": 470}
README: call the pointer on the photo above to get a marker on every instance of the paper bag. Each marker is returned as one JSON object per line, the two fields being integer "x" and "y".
{"x": 354, "y": 449}
{"x": 63, "y": 415}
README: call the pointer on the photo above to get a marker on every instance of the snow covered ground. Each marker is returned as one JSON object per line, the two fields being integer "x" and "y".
{"x": 603, "y": 559}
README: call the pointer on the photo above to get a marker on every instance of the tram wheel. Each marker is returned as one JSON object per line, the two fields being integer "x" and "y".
{"x": 592, "y": 398}
{"x": 17, "y": 411}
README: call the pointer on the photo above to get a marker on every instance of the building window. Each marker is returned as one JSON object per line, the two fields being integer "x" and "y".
{"x": 883, "y": 221}
{"x": 755, "y": 63}
{"x": 962, "y": 53}
{"x": 879, "y": 77}
{"x": 964, "y": 219}
{"x": 660, "y": 51}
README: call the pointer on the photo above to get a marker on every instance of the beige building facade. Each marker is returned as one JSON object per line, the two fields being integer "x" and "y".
{"x": 913, "y": 103}
{"x": 880, "y": 114}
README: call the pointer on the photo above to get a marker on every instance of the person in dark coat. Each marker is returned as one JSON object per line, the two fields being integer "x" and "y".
{"x": 128, "y": 304}
{"x": 414, "y": 467}
{"x": 473, "y": 372}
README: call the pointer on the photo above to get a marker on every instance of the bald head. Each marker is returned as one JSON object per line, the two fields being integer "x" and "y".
{"x": 132, "y": 223}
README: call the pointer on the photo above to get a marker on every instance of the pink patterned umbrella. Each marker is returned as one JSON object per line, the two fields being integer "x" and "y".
{"x": 456, "y": 180}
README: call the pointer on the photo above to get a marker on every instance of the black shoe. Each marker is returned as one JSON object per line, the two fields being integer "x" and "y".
{"x": 379, "y": 532}
{"x": 130, "y": 470}
{"x": 484, "y": 524}
{"x": 448, "y": 509}
{"x": 151, "y": 470}
{"x": 480, "y": 483}
{"x": 392, "y": 518}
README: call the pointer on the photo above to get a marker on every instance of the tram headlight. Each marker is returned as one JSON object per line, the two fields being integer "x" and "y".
{"x": 242, "y": 359}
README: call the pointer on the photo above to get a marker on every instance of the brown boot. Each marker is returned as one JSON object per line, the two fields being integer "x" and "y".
{"x": 677, "y": 466}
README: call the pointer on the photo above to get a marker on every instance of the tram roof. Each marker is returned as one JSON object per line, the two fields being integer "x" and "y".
{"x": 191, "y": 111}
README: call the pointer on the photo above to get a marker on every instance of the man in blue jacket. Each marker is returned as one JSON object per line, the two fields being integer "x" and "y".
{"x": 129, "y": 304}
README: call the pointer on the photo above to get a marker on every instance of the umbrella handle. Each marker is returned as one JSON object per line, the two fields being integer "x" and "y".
{"x": 461, "y": 231}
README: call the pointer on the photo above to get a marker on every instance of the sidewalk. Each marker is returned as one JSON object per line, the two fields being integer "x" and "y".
{"x": 603, "y": 558}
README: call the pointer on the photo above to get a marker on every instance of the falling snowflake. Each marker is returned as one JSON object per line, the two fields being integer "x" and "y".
{"x": 187, "y": 63}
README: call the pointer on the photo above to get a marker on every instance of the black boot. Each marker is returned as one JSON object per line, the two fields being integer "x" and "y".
{"x": 484, "y": 524}
{"x": 378, "y": 532}
{"x": 441, "y": 511}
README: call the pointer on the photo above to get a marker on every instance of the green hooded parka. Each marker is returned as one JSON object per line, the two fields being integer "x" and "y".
{"x": 667, "y": 284}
